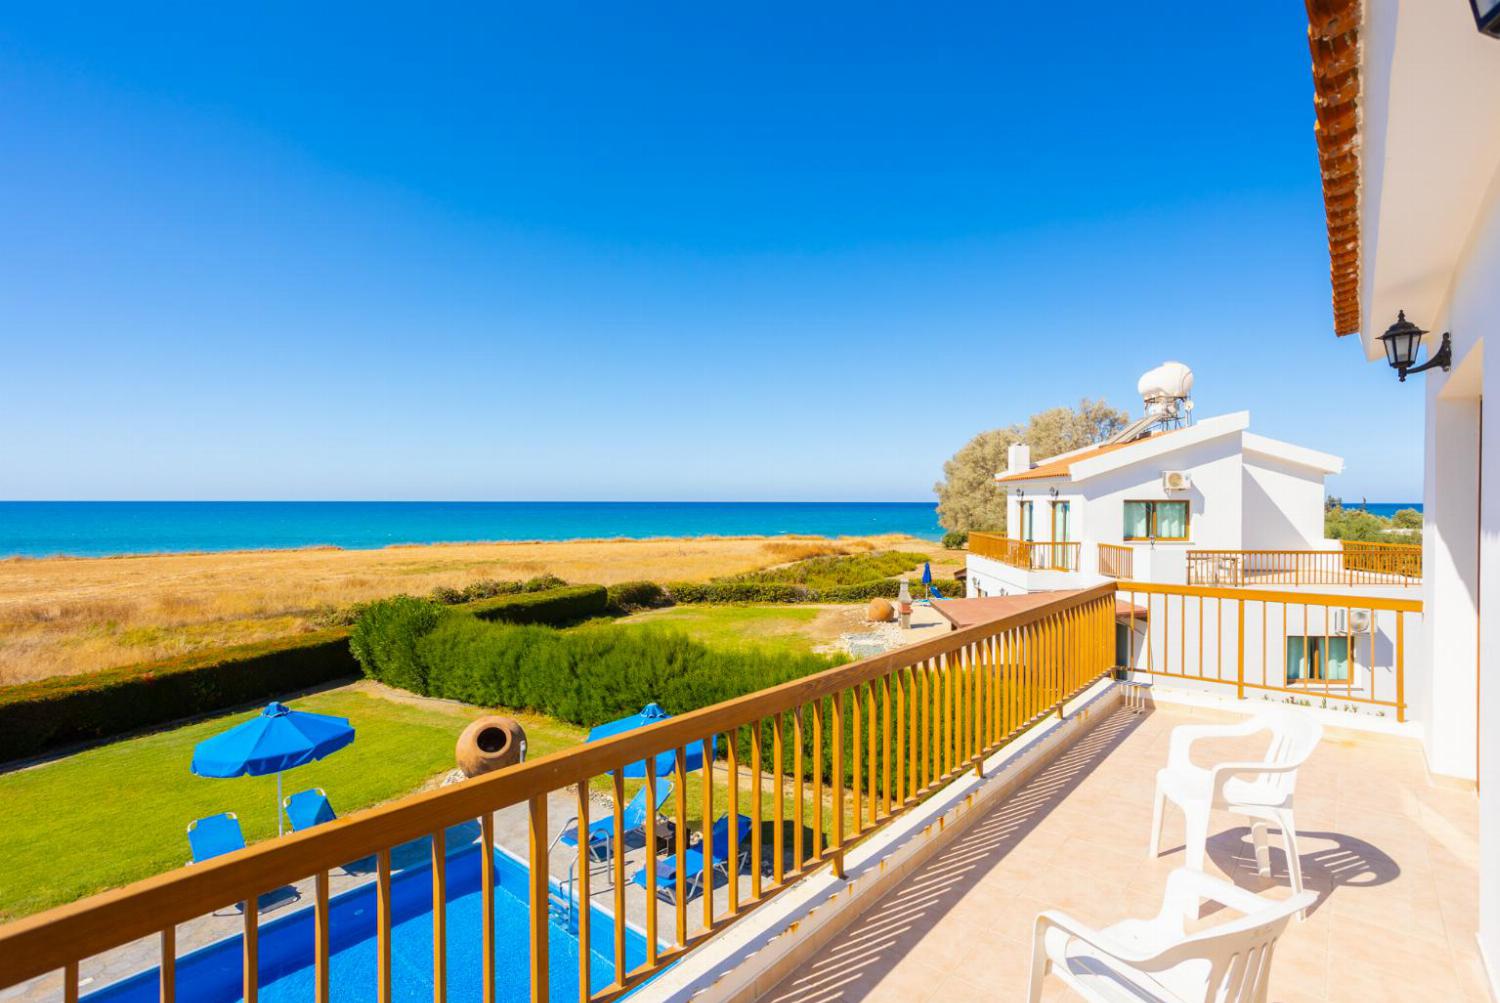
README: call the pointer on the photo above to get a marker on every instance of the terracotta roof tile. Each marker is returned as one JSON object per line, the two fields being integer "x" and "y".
{"x": 1062, "y": 466}
{"x": 1333, "y": 38}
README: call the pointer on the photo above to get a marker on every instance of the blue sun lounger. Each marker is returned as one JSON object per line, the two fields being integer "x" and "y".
{"x": 215, "y": 836}
{"x": 308, "y": 808}
{"x": 602, "y": 831}
{"x": 692, "y": 861}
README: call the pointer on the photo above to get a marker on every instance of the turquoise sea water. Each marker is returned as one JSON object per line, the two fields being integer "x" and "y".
{"x": 1383, "y": 509}
{"x": 99, "y": 529}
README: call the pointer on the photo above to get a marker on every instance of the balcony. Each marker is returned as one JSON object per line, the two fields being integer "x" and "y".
{"x": 1354, "y": 564}
{"x": 1116, "y": 561}
{"x": 1392, "y": 856}
{"x": 1027, "y": 555}
{"x": 839, "y": 775}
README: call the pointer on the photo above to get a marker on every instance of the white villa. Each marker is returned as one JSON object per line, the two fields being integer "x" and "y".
{"x": 1141, "y": 506}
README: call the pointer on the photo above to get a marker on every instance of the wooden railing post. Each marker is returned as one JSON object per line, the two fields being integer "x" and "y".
{"x": 1240, "y": 644}
{"x": 537, "y": 812}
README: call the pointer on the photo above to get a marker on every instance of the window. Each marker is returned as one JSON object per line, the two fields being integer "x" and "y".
{"x": 1317, "y": 659}
{"x": 1027, "y": 529}
{"x": 1061, "y": 522}
{"x": 1156, "y": 520}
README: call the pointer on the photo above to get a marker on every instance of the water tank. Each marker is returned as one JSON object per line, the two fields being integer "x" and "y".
{"x": 1167, "y": 381}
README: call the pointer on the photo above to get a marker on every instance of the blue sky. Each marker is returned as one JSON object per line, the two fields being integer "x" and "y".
{"x": 650, "y": 251}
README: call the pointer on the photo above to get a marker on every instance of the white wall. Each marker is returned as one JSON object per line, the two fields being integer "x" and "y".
{"x": 1283, "y": 507}
{"x": 1461, "y": 502}
{"x": 1213, "y": 501}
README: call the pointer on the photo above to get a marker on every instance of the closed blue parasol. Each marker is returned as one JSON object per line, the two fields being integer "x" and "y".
{"x": 276, "y": 739}
{"x": 926, "y": 573}
{"x": 664, "y": 763}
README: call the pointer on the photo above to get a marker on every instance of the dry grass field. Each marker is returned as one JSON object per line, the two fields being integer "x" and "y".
{"x": 70, "y": 615}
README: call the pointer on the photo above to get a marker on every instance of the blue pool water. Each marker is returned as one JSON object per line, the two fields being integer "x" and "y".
{"x": 213, "y": 973}
{"x": 100, "y": 529}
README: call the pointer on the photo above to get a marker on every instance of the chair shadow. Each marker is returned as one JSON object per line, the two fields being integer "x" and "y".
{"x": 875, "y": 943}
{"x": 1337, "y": 860}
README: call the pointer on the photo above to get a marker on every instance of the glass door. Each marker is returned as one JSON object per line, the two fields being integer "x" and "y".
{"x": 1061, "y": 533}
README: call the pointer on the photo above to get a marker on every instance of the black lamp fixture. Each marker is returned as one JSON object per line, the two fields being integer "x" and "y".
{"x": 1486, "y": 16}
{"x": 1402, "y": 339}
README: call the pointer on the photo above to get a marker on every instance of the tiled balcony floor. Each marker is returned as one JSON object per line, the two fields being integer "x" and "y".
{"x": 1392, "y": 855}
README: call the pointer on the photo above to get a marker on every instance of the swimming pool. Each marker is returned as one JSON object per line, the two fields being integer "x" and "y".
{"x": 213, "y": 973}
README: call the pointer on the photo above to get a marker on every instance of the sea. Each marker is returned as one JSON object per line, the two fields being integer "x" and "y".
{"x": 1383, "y": 509}
{"x": 110, "y": 528}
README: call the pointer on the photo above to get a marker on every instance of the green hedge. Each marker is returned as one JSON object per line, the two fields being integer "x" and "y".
{"x": 585, "y": 676}
{"x": 732, "y": 591}
{"x": 588, "y": 675}
{"x": 628, "y": 596}
{"x": 725, "y": 590}
{"x": 35, "y": 717}
{"x": 832, "y": 572}
{"x": 560, "y": 605}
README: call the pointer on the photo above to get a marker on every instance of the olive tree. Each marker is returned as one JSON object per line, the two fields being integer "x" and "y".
{"x": 969, "y": 498}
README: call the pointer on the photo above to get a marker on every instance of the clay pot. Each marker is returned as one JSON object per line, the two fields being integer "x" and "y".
{"x": 490, "y": 743}
{"x": 880, "y": 611}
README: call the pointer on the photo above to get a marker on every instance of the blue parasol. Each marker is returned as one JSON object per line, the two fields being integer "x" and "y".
{"x": 665, "y": 763}
{"x": 276, "y": 739}
{"x": 926, "y": 573}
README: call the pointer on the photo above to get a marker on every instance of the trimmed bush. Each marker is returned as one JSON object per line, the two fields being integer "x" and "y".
{"x": 734, "y": 591}
{"x": 730, "y": 590}
{"x": 36, "y": 717}
{"x": 831, "y": 572}
{"x": 386, "y": 634}
{"x": 887, "y": 588}
{"x": 591, "y": 674}
{"x": 956, "y": 539}
{"x": 568, "y": 604}
{"x": 627, "y": 596}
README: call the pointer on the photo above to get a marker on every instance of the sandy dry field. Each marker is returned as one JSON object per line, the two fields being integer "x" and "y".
{"x": 70, "y": 615}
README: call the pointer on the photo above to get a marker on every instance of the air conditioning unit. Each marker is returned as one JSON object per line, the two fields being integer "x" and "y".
{"x": 1176, "y": 480}
{"x": 1357, "y": 621}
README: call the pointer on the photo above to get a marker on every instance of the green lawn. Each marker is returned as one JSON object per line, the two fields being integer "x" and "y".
{"x": 118, "y": 813}
{"x": 767, "y": 628}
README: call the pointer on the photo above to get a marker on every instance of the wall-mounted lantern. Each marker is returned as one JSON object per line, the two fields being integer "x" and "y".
{"x": 1486, "y": 16}
{"x": 1402, "y": 339}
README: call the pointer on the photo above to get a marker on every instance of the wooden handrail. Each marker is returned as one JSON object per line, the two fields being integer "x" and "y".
{"x": 1116, "y": 560}
{"x": 970, "y": 669}
{"x": 1029, "y": 555}
{"x": 1297, "y": 646}
{"x": 1355, "y": 563}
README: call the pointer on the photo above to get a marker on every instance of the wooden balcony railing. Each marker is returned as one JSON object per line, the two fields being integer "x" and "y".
{"x": 1335, "y": 651}
{"x": 1029, "y": 555}
{"x": 1116, "y": 561}
{"x": 858, "y": 745}
{"x": 1355, "y": 564}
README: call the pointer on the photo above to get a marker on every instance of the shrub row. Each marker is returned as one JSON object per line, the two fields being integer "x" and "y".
{"x": 592, "y": 674}
{"x": 627, "y": 596}
{"x": 489, "y": 588}
{"x": 832, "y": 572}
{"x": 732, "y": 591}
{"x": 568, "y": 604}
{"x": 35, "y": 717}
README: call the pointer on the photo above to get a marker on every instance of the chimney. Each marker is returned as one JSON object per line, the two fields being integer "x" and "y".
{"x": 1018, "y": 458}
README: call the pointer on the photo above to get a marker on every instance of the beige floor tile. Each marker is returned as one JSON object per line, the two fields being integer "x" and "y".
{"x": 1391, "y": 855}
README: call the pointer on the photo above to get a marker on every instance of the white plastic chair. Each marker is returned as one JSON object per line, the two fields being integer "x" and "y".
{"x": 1143, "y": 960}
{"x": 1261, "y": 791}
